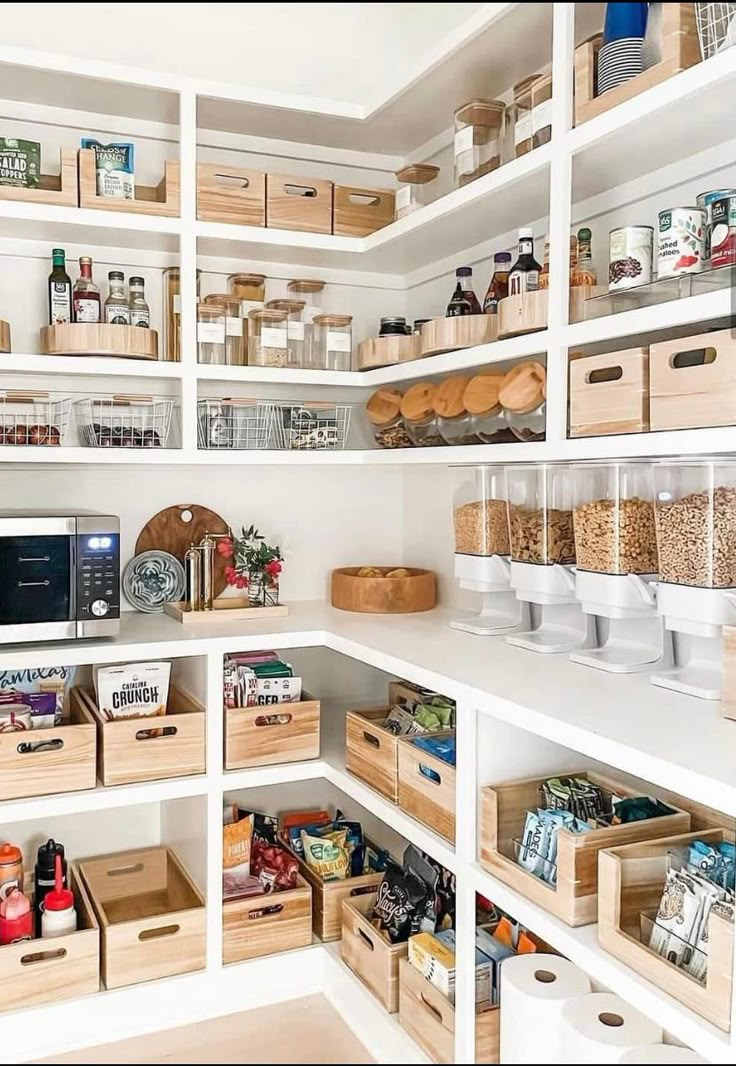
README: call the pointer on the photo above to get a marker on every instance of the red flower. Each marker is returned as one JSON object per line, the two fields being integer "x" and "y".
{"x": 229, "y": 571}
{"x": 273, "y": 568}
{"x": 225, "y": 548}
{"x": 241, "y": 582}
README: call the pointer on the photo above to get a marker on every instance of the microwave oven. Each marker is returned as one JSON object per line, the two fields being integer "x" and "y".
{"x": 59, "y": 575}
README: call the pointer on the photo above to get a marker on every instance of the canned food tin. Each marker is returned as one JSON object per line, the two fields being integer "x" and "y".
{"x": 14, "y": 718}
{"x": 630, "y": 257}
{"x": 706, "y": 201}
{"x": 723, "y": 234}
{"x": 681, "y": 241}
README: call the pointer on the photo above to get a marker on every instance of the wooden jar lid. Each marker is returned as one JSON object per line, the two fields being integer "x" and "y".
{"x": 305, "y": 285}
{"x": 481, "y": 113}
{"x": 524, "y": 388}
{"x": 268, "y": 314}
{"x": 247, "y": 279}
{"x": 225, "y": 300}
{"x": 384, "y": 406}
{"x": 290, "y": 306}
{"x": 207, "y": 312}
{"x": 523, "y": 88}
{"x": 417, "y": 403}
{"x": 332, "y": 320}
{"x": 417, "y": 174}
{"x": 448, "y": 397}
{"x": 481, "y": 394}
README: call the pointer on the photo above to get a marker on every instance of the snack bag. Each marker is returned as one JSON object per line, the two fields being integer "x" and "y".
{"x": 400, "y": 903}
{"x": 237, "y": 838}
{"x": 327, "y": 855}
{"x": 274, "y": 866}
{"x": 114, "y": 167}
{"x": 132, "y": 690}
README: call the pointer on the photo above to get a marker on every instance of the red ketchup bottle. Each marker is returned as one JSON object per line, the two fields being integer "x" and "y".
{"x": 16, "y": 918}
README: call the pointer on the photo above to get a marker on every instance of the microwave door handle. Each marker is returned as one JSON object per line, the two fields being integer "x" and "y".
{"x": 33, "y": 584}
{"x": 73, "y": 578}
{"x": 34, "y": 558}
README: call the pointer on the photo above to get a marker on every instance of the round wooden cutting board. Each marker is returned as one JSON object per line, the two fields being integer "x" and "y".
{"x": 176, "y": 528}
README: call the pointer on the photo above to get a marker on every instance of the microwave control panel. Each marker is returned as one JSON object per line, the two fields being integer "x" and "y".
{"x": 98, "y": 576}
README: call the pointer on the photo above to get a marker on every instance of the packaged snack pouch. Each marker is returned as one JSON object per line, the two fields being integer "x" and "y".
{"x": 114, "y": 167}
{"x": 400, "y": 903}
{"x": 327, "y": 855}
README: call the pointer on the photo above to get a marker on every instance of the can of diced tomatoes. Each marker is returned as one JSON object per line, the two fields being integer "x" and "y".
{"x": 680, "y": 241}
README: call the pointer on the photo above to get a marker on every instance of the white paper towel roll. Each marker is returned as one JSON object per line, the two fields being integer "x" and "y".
{"x": 663, "y": 1053}
{"x": 601, "y": 1027}
{"x": 534, "y": 989}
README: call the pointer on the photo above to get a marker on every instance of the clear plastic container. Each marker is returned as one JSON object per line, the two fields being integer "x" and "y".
{"x": 172, "y": 314}
{"x": 383, "y": 411}
{"x": 268, "y": 337}
{"x": 453, "y": 418}
{"x": 420, "y": 418}
{"x": 487, "y": 420}
{"x": 230, "y": 305}
{"x": 211, "y": 334}
{"x": 695, "y": 515}
{"x": 296, "y": 353}
{"x": 414, "y": 191}
{"x": 480, "y": 514}
{"x": 522, "y": 394}
{"x": 311, "y": 291}
{"x": 614, "y": 518}
{"x": 477, "y": 149}
{"x": 332, "y": 342}
{"x": 540, "y": 514}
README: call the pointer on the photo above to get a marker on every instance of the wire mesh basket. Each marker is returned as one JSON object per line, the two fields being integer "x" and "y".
{"x": 312, "y": 426}
{"x": 33, "y": 418}
{"x": 124, "y": 421}
{"x": 236, "y": 423}
{"x": 716, "y": 28}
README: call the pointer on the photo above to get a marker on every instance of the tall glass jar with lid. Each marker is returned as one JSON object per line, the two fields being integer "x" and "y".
{"x": 477, "y": 146}
{"x": 383, "y": 410}
{"x": 420, "y": 417}
{"x": 614, "y": 518}
{"x": 414, "y": 188}
{"x": 311, "y": 291}
{"x": 332, "y": 341}
{"x": 453, "y": 419}
{"x": 250, "y": 290}
{"x": 230, "y": 305}
{"x": 268, "y": 337}
{"x": 296, "y": 353}
{"x": 172, "y": 313}
{"x": 211, "y": 334}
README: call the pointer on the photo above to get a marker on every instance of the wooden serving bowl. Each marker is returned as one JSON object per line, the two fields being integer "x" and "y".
{"x": 383, "y": 595}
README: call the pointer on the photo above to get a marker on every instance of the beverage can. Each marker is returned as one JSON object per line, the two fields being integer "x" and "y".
{"x": 630, "y": 257}
{"x": 681, "y": 241}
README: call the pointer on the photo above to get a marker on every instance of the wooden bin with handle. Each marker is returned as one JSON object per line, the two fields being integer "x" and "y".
{"x": 427, "y": 786}
{"x": 295, "y": 203}
{"x": 262, "y": 925}
{"x": 234, "y": 195}
{"x": 358, "y": 212}
{"x": 372, "y": 752}
{"x": 369, "y": 953}
{"x": 60, "y": 189}
{"x": 609, "y": 393}
{"x": 42, "y": 762}
{"x": 275, "y": 733}
{"x": 692, "y": 381}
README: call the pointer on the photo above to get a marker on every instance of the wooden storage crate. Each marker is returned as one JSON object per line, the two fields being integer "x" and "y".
{"x": 328, "y": 896}
{"x": 574, "y": 899}
{"x": 262, "y": 925}
{"x": 298, "y": 203}
{"x": 372, "y": 752}
{"x": 231, "y": 194}
{"x": 388, "y": 351}
{"x": 631, "y": 880}
{"x": 46, "y": 971}
{"x": 146, "y": 749}
{"x": 161, "y": 199}
{"x": 728, "y": 705}
{"x": 369, "y": 954}
{"x": 692, "y": 381}
{"x": 430, "y": 801}
{"x": 4, "y": 336}
{"x": 57, "y": 189}
{"x": 66, "y": 763}
{"x": 358, "y": 212}
{"x": 610, "y": 393}
{"x": 99, "y": 338}
{"x": 251, "y": 740}
{"x": 151, "y": 914}
{"x": 465, "y": 331}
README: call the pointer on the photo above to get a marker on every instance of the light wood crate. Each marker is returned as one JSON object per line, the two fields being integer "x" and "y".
{"x": 303, "y": 204}
{"x": 687, "y": 394}
{"x": 262, "y": 925}
{"x": 450, "y": 334}
{"x": 234, "y": 195}
{"x": 372, "y": 752}
{"x": 574, "y": 899}
{"x": 431, "y": 802}
{"x": 250, "y": 740}
{"x": 57, "y": 189}
{"x": 388, "y": 351}
{"x": 525, "y": 313}
{"x": 71, "y": 766}
{"x": 47, "y": 971}
{"x": 429, "y": 1018}
{"x": 358, "y": 212}
{"x": 152, "y": 916}
{"x": 631, "y": 880}
{"x": 610, "y": 393}
{"x": 161, "y": 199}
{"x": 328, "y": 896}
{"x": 99, "y": 338}
{"x": 728, "y": 705}
{"x": 5, "y": 347}
{"x": 130, "y": 750}
{"x": 369, "y": 954}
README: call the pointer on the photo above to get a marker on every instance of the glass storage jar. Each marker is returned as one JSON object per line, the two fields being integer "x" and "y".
{"x": 172, "y": 314}
{"x": 481, "y": 401}
{"x": 614, "y": 518}
{"x": 268, "y": 337}
{"x": 311, "y": 290}
{"x": 332, "y": 341}
{"x": 420, "y": 418}
{"x": 250, "y": 289}
{"x": 541, "y": 110}
{"x": 518, "y": 134}
{"x": 480, "y": 514}
{"x": 540, "y": 514}
{"x": 230, "y": 305}
{"x": 296, "y": 353}
{"x": 211, "y": 334}
{"x": 383, "y": 411}
{"x": 695, "y": 517}
{"x": 477, "y": 148}
{"x": 414, "y": 191}
{"x": 522, "y": 395}
{"x": 453, "y": 420}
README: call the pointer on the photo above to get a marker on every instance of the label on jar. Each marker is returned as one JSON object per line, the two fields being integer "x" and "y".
{"x": 176, "y": 303}
{"x": 117, "y": 314}
{"x": 339, "y": 342}
{"x": 140, "y": 318}
{"x": 403, "y": 198}
{"x": 296, "y": 331}
{"x": 681, "y": 241}
{"x": 86, "y": 310}
{"x": 211, "y": 332}
{"x": 273, "y": 337}
{"x": 523, "y": 128}
{"x": 542, "y": 116}
{"x": 723, "y": 234}
{"x": 234, "y": 326}
{"x": 463, "y": 140}
{"x": 246, "y": 306}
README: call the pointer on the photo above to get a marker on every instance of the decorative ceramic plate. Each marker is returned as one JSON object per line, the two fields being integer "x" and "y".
{"x": 152, "y": 579}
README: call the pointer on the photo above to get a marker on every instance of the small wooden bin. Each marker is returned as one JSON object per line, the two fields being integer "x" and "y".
{"x": 151, "y": 913}
{"x": 231, "y": 194}
{"x": 414, "y": 591}
{"x": 610, "y": 393}
{"x": 47, "y": 971}
{"x": 359, "y": 212}
{"x": 145, "y": 749}
{"x": 298, "y": 203}
{"x": 427, "y": 786}
{"x": 161, "y": 199}
{"x": 57, "y": 189}
{"x": 99, "y": 338}
{"x": 631, "y": 880}
{"x": 692, "y": 381}
{"x": 574, "y": 899}
{"x": 368, "y": 952}
{"x": 252, "y": 739}
{"x": 728, "y": 705}
{"x": 66, "y": 762}
{"x": 4, "y": 337}
{"x": 328, "y": 896}
{"x": 450, "y": 334}
{"x": 526, "y": 313}
{"x": 372, "y": 752}
{"x": 388, "y": 351}
{"x": 262, "y": 925}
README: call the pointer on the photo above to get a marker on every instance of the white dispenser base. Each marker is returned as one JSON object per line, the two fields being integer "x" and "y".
{"x": 636, "y": 638}
{"x": 500, "y": 610}
{"x": 698, "y": 615}
{"x": 560, "y": 625}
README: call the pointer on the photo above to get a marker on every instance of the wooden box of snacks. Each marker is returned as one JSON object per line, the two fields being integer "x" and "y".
{"x": 369, "y": 953}
{"x": 631, "y": 880}
{"x": 146, "y": 749}
{"x": 427, "y": 785}
{"x": 372, "y": 752}
{"x": 261, "y": 925}
{"x": 260, "y": 736}
{"x": 66, "y": 761}
{"x": 328, "y": 896}
{"x": 574, "y": 896}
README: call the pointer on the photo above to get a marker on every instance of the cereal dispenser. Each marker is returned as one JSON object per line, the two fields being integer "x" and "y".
{"x": 616, "y": 566}
{"x": 695, "y": 518}
{"x": 480, "y": 520}
{"x": 542, "y": 559}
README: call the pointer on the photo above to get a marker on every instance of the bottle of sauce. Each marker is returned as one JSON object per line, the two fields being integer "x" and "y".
{"x": 458, "y": 305}
{"x": 498, "y": 287}
{"x": 45, "y": 874}
{"x": 86, "y": 295}
{"x": 140, "y": 314}
{"x": 16, "y": 918}
{"x": 59, "y": 289}
{"x": 117, "y": 308}
{"x": 464, "y": 301}
{"x": 524, "y": 275}
{"x": 544, "y": 272}
{"x": 584, "y": 272}
{"x": 11, "y": 869}
{"x": 59, "y": 914}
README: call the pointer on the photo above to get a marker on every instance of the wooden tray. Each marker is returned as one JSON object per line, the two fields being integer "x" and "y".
{"x": 58, "y": 189}
{"x": 296, "y": 203}
{"x": 262, "y": 925}
{"x": 161, "y": 199}
{"x": 430, "y": 801}
{"x": 689, "y": 394}
{"x": 609, "y": 393}
{"x": 69, "y": 766}
{"x": 383, "y": 595}
{"x": 465, "y": 331}
{"x": 372, "y": 752}
{"x": 251, "y": 741}
{"x": 175, "y": 528}
{"x": 231, "y": 194}
{"x": 369, "y": 954}
{"x": 388, "y": 351}
{"x": 358, "y": 212}
{"x": 225, "y": 609}
{"x": 87, "y": 338}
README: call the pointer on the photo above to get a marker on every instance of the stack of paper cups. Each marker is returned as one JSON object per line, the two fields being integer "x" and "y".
{"x": 662, "y": 1053}
{"x": 601, "y": 1027}
{"x": 534, "y": 990}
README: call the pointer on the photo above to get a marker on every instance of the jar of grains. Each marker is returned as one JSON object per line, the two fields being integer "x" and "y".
{"x": 413, "y": 191}
{"x": 453, "y": 418}
{"x": 332, "y": 341}
{"x": 383, "y": 411}
{"x": 540, "y": 514}
{"x": 420, "y": 418}
{"x": 481, "y": 399}
{"x": 230, "y": 306}
{"x": 518, "y": 133}
{"x": 268, "y": 337}
{"x": 296, "y": 354}
{"x": 310, "y": 290}
{"x": 614, "y": 518}
{"x": 172, "y": 313}
{"x": 522, "y": 395}
{"x": 480, "y": 516}
{"x": 250, "y": 289}
{"x": 477, "y": 146}
{"x": 210, "y": 334}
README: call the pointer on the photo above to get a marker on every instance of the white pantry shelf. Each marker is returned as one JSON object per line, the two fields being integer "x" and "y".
{"x": 85, "y": 225}
{"x": 88, "y": 365}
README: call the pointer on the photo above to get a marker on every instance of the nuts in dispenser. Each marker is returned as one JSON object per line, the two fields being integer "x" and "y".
{"x": 482, "y": 528}
{"x": 695, "y": 514}
{"x": 614, "y": 519}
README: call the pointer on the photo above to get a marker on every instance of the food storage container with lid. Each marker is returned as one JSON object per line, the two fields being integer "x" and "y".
{"x": 296, "y": 353}
{"x": 230, "y": 305}
{"x": 541, "y": 110}
{"x": 248, "y": 287}
{"x": 414, "y": 188}
{"x": 482, "y": 403}
{"x": 477, "y": 148}
{"x": 172, "y": 313}
{"x": 518, "y": 133}
{"x": 268, "y": 337}
{"x": 383, "y": 411}
{"x": 420, "y": 418}
{"x": 332, "y": 341}
{"x": 480, "y": 515}
{"x": 540, "y": 514}
{"x": 614, "y": 518}
{"x": 453, "y": 419}
{"x": 311, "y": 291}
{"x": 211, "y": 325}
{"x": 522, "y": 395}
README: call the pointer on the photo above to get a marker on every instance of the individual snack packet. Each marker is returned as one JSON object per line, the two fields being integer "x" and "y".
{"x": 534, "y": 845}
{"x": 237, "y": 838}
{"x": 114, "y": 167}
{"x": 638, "y": 809}
{"x": 677, "y": 923}
{"x": 441, "y": 747}
{"x": 399, "y": 721}
{"x": 274, "y": 866}
{"x": 326, "y": 855}
{"x": 400, "y": 901}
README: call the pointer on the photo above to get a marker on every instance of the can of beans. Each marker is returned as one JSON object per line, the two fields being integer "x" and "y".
{"x": 706, "y": 201}
{"x": 723, "y": 234}
{"x": 681, "y": 241}
{"x": 630, "y": 257}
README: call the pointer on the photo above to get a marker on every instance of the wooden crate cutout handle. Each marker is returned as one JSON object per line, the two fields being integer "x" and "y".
{"x": 126, "y": 871}
{"x": 262, "y": 720}
{"x": 431, "y": 1007}
{"x": 684, "y": 358}
{"x": 157, "y": 733}
{"x": 604, "y": 375}
{"x": 158, "y": 932}
{"x": 231, "y": 181}
{"x": 428, "y": 773}
{"x": 48, "y": 956}
{"x": 265, "y": 912}
{"x": 366, "y": 939}
{"x": 362, "y": 890}
{"x": 40, "y": 747}
{"x": 372, "y": 739}
{"x": 365, "y": 199}
{"x": 308, "y": 192}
